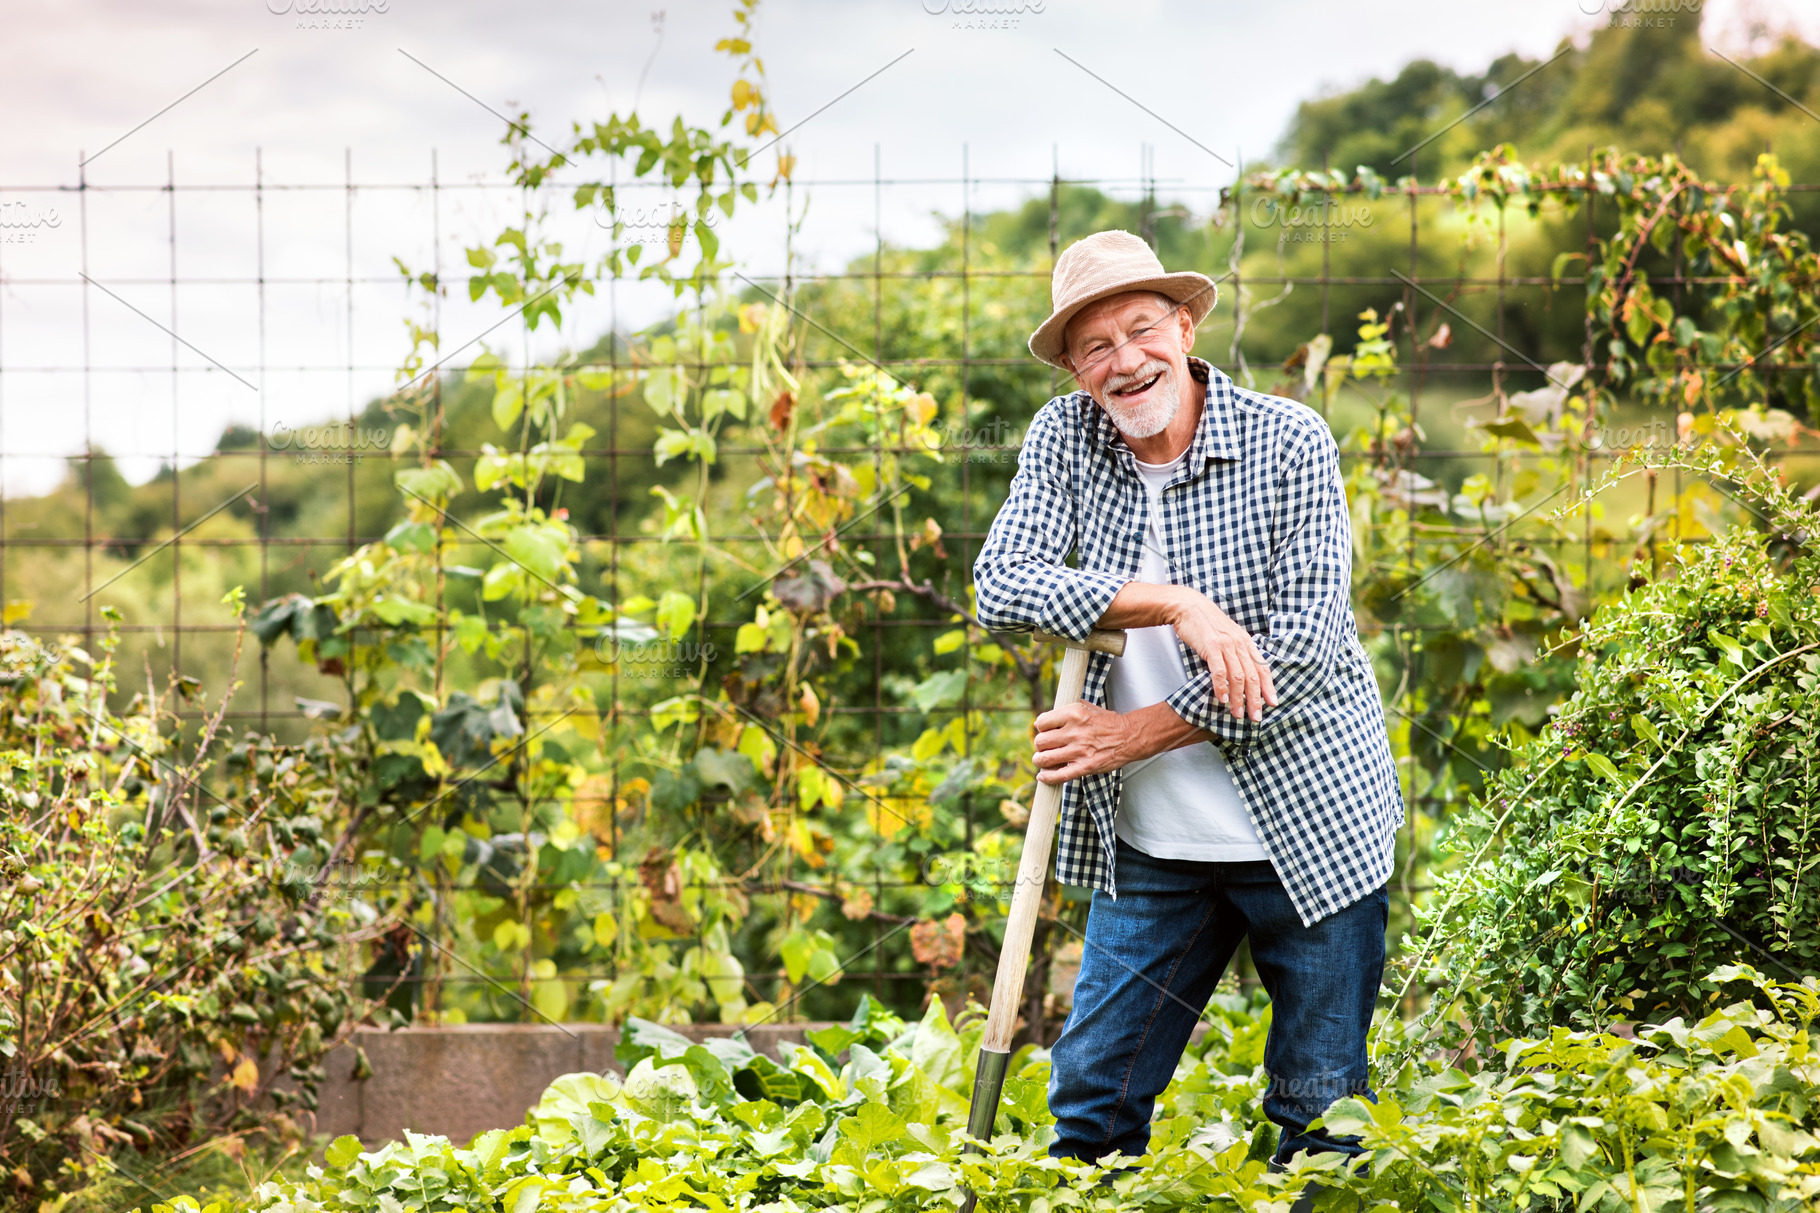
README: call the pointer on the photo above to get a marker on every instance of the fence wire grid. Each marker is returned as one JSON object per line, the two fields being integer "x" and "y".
{"x": 361, "y": 296}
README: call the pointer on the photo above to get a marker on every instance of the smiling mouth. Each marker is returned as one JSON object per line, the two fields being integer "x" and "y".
{"x": 1138, "y": 389}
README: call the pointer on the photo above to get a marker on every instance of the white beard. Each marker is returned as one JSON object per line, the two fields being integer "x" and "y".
{"x": 1151, "y": 418}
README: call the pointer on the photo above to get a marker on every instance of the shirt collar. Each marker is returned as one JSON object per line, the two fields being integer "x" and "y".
{"x": 1215, "y": 437}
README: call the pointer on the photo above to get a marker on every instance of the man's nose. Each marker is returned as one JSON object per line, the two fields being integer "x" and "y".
{"x": 1127, "y": 356}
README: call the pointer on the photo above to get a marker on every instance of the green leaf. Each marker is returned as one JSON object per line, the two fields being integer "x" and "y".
{"x": 1643, "y": 728}
{"x": 539, "y": 549}
{"x": 395, "y": 610}
{"x": 1730, "y": 646}
{"x": 434, "y": 482}
{"x": 731, "y": 770}
{"x": 939, "y": 690}
{"x": 872, "y": 1128}
{"x": 1513, "y": 427}
{"x": 342, "y": 1152}
{"x": 947, "y": 642}
{"x": 1603, "y": 766}
{"x": 641, "y": 1038}
{"x": 567, "y": 1099}
{"x": 806, "y": 1061}
{"x": 833, "y": 1040}
{"x": 797, "y": 948}
{"x": 678, "y": 709}
{"x": 762, "y": 1078}
{"x": 279, "y": 616}
{"x": 723, "y": 400}
{"x": 1577, "y": 1145}
{"x": 675, "y": 614}
{"x": 412, "y": 537}
{"x": 936, "y": 1050}
{"x": 672, "y": 444}
{"x": 508, "y": 403}
{"x": 665, "y": 389}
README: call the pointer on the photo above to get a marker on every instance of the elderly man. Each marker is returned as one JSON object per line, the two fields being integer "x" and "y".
{"x": 1229, "y": 777}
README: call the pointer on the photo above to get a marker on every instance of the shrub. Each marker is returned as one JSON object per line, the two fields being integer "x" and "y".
{"x": 1668, "y": 820}
{"x": 164, "y": 974}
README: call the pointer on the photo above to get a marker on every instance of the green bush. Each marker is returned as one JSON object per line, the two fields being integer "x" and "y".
{"x": 1668, "y": 820}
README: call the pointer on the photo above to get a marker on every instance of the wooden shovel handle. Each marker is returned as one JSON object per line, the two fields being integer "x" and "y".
{"x": 1033, "y": 868}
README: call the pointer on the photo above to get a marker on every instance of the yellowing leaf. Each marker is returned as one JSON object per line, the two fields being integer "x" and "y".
{"x": 551, "y": 997}
{"x": 928, "y": 745}
{"x": 811, "y": 706}
{"x": 245, "y": 1075}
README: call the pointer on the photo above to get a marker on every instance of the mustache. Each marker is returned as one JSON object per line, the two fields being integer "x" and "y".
{"x": 1118, "y": 383}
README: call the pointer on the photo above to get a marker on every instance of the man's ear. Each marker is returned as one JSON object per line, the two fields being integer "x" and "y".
{"x": 1068, "y": 365}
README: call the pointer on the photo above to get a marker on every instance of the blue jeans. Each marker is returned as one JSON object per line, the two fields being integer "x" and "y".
{"x": 1151, "y": 960}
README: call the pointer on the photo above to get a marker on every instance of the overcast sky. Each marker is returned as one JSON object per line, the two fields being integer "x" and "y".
{"x": 1201, "y": 84}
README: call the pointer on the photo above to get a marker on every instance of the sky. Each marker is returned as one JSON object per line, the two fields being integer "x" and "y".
{"x": 287, "y": 308}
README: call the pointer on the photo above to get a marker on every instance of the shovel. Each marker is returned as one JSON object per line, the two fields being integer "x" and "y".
{"x": 1026, "y": 898}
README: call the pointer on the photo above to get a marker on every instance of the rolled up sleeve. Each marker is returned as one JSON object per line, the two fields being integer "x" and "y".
{"x": 1020, "y": 578}
{"x": 1310, "y": 596}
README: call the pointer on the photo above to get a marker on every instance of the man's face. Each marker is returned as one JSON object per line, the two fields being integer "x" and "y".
{"x": 1130, "y": 353}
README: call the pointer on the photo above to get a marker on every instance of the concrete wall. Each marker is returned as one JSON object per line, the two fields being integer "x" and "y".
{"x": 459, "y": 1080}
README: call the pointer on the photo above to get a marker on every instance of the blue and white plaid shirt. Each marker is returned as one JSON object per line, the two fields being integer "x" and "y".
{"x": 1256, "y": 519}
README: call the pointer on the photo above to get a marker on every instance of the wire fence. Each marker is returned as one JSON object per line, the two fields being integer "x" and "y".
{"x": 122, "y": 304}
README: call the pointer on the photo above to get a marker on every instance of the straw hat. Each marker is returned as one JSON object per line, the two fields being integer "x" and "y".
{"x": 1111, "y": 263}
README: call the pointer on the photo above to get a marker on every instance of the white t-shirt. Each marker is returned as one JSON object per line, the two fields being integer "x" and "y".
{"x": 1181, "y": 804}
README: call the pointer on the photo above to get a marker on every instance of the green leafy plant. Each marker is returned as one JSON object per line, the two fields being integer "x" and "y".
{"x": 1667, "y": 816}
{"x": 1714, "y": 1114}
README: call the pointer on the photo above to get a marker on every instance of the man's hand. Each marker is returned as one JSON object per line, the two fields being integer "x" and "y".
{"x": 1081, "y": 739}
{"x": 1078, "y": 740}
{"x": 1241, "y": 678}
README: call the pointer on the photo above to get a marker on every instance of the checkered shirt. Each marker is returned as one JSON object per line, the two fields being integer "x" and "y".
{"x": 1256, "y": 519}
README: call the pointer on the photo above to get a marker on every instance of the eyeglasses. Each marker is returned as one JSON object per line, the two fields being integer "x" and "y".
{"x": 1100, "y": 348}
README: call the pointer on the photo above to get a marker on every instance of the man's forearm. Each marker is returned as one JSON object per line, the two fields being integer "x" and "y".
{"x": 1239, "y": 675}
{"x": 1157, "y": 730}
{"x": 1141, "y": 604}
{"x": 1081, "y": 739}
